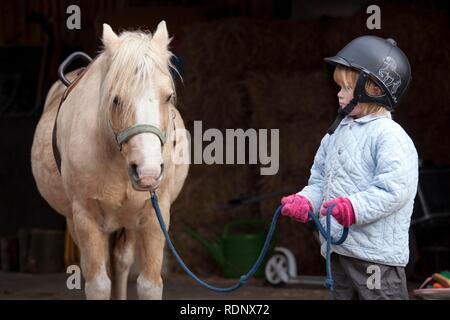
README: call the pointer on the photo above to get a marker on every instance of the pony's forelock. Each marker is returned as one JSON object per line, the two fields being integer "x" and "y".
{"x": 130, "y": 69}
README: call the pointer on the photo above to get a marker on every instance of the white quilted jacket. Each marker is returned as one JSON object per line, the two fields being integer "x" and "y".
{"x": 373, "y": 162}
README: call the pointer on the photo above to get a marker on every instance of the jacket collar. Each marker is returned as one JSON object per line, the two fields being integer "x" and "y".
{"x": 365, "y": 119}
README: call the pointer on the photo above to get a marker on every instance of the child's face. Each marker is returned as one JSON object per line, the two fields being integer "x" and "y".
{"x": 345, "y": 95}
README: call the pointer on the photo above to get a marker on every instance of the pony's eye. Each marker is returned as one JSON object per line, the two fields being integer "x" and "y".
{"x": 117, "y": 101}
{"x": 169, "y": 98}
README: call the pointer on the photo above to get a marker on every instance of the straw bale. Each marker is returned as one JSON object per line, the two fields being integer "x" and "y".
{"x": 233, "y": 46}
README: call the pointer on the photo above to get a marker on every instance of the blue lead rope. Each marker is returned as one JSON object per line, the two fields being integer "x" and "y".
{"x": 327, "y": 235}
{"x": 244, "y": 278}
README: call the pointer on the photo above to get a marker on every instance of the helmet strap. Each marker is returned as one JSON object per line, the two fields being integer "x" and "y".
{"x": 359, "y": 95}
{"x": 342, "y": 113}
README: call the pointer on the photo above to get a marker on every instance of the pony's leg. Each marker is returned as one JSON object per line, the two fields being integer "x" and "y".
{"x": 71, "y": 229}
{"x": 123, "y": 257}
{"x": 151, "y": 249}
{"x": 93, "y": 245}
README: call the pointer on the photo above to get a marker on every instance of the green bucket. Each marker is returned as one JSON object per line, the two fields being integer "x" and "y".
{"x": 241, "y": 250}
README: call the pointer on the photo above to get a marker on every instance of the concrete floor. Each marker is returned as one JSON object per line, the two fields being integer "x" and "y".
{"x": 176, "y": 287}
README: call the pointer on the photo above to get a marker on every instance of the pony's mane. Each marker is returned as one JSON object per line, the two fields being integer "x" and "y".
{"x": 131, "y": 66}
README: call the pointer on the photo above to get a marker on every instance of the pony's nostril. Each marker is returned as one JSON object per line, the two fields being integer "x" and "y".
{"x": 133, "y": 168}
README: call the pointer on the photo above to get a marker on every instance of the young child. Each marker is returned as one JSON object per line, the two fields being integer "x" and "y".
{"x": 368, "y": 167}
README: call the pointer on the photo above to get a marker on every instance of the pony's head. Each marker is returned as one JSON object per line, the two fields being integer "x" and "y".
{"x": 137, "y": 90}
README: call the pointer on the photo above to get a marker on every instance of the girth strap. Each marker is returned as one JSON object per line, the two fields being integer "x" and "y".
{"x": 56, "y": 153}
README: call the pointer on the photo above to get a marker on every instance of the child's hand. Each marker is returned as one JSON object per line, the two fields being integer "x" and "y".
{"x": 343, "y": 211}
{"x": 297, "y": 207}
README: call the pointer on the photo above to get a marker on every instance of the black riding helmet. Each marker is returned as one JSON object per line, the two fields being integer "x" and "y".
{"x": 380, "y": 60}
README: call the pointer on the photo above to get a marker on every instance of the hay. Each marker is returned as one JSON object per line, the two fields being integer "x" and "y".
{"x": 284, "y": 101}
{"x": 231, "y": 47}
{"x": 217, "y": 102}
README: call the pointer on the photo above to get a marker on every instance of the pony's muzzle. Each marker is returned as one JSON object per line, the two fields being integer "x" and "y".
{"x": 145, "y": 180}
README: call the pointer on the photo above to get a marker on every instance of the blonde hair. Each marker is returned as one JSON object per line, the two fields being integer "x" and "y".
{"x": 346, "y": 76}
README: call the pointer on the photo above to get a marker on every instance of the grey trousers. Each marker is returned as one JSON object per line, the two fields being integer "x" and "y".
{"x": 351, "y": 280}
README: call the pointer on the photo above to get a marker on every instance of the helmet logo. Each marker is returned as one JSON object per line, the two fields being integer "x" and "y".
{"x": 389, "y": 76}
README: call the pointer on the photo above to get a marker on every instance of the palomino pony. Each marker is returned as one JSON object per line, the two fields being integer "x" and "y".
{"x": 99, "y": 189}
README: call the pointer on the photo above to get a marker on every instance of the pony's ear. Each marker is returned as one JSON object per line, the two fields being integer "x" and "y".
{"x": 110, "y": 39}
{"x": 161, "y": 35}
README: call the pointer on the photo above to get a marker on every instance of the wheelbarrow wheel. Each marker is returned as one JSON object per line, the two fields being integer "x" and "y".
{"x": 276, "y": 270}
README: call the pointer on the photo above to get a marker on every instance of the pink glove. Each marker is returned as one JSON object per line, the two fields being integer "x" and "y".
{"x": 297, "y": 207}
{"x": 343, "y": 211}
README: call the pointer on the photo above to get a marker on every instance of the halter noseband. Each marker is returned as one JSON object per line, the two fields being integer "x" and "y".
{"x": 130, "y": 132}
